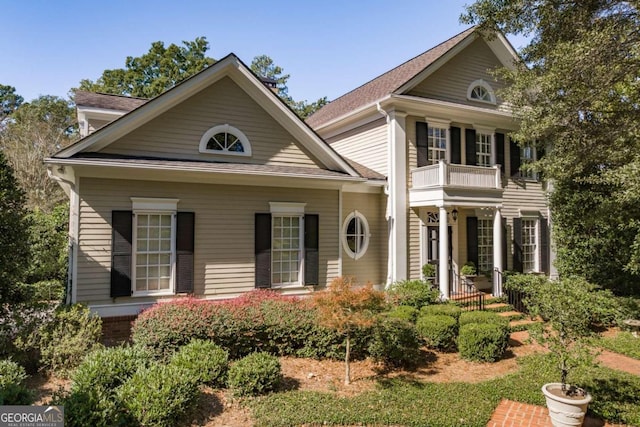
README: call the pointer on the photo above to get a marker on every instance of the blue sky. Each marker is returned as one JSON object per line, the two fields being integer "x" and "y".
{"x": 328, "y": 47}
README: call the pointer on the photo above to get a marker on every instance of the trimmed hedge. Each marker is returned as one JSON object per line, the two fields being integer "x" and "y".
{"x": 483, "y": 342}
{"x": 404, "y": 312}
{"x": 438, "y": 331}
{"x": 482, "y": 317}
{"x": 12, "y": 390}
{"x": 206, "y": 361}
{"x": 255, "y": 374}
{"x": 394, "y": 342}
{"x": 416, "y": 293}
{"x": 446, "y": 309}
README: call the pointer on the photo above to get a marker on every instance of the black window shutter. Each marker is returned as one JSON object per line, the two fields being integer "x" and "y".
{"x": 185, "y": 238}
{"x": 544, "y": 245}
{"x": 456, "y": 156}
{"x": 122, "y": 235}
{"x": 422, "y": 144}
{"x": 472, "y": 239}
{"x": 517, "y": 244}
{"x": 500, "y": 151}
{"x": 311, "y": 253}
{"x": 263, "y": 250}
{"x": 504, "y": 243}
{"x": 539, "y": 155}
{"x": 470, "y": 146}
{"x": 514, "y": 157}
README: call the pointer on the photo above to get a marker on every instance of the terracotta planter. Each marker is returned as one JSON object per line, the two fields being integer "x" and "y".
{"x": 565, "y": 410}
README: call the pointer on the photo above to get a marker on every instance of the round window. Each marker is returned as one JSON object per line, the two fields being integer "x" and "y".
{"x": 355, "y": 235}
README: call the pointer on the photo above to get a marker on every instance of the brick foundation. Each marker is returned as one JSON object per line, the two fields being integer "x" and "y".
{"x": 116, "y": 330}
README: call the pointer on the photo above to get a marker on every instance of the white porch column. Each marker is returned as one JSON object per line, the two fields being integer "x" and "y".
{"x": 497, "y": 252}
{"x": 443, "y": 254}
{"x": 397, "y": 173}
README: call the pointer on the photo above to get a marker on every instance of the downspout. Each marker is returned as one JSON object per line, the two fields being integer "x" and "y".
{"x": 388, "y": 216}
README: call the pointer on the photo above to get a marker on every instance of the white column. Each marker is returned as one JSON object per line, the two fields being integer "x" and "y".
{"x": 397, "y": 173}
{"x": 443, "y": 254}
{"x": 497, "y": 252}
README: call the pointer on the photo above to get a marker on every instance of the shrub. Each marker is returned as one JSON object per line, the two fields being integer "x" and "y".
{"x": 93, "y": 398}
{"x": 159, "y": 395}
{"x": 415, "y": 293}
{"x": 205, "y": 360}
{"x": 12, "y": 390}
{"x": 482, "y": 342}
{"x": 72, "y": 333}
{"x": 482, "y": 317}
{"x": 404, "y": 312}
{"x": 438, "y": 331}
{"x": 394, "y": 342}
{"x": 255, "y": 374}
{"x": 468, "y": 269}
{"x": 429, "y": 270}
{"x": 442, "y": 310}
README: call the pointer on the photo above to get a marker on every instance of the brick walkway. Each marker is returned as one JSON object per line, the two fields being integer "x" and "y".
{"x": 516, "y": 414}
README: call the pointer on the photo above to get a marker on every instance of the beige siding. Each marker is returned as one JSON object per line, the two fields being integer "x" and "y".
{"x": 372, "y": 267}
{"x": 451, "y": 81}
{"x": 366, "y": 145}
{"x": 414, "y": 263}
{"x": 95, "y": 124}
{"x": 177, "y": 132}
{"x": 224, "y": 244}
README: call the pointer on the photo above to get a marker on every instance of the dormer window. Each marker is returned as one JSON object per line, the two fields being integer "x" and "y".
{"x": 481, "y": 91}
{"x": 225, "y": 140}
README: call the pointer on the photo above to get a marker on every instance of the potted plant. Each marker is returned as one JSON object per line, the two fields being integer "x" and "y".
{"x": 429, "y": 272}
{"x": 571, "y": 308}
{"x": 468, "y": 273}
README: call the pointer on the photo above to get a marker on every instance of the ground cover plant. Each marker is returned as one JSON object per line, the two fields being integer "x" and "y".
{"x": 622, "y": 343}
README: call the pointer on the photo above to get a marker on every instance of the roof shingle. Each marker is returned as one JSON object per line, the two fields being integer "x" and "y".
{"x": 107, "y": 101}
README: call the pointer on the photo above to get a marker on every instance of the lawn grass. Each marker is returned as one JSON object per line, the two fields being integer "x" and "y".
{"x": 623, "y": 343}
{"x": 410, "y": 403}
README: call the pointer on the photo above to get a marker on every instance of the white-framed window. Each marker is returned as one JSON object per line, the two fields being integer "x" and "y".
{"x": 481, "y": 91}
{"x": 355, "y": 235}
{"x": 225, "y": 140}
{"x": 527, "y": 156}
{"x": 483, "y": 148}
{"x": 485, "y": 245}
{"x": 437, "y": 143}
{"x": 154, "y": 250}
{"x": 529, "y": 244}
{"x": 287, "y": 244}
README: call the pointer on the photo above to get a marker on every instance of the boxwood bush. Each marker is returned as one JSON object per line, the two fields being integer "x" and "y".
{"x": 482, "y": 317}
{"x": 404, "y": 312}
{"x": 12, "y": 389}
{"x": 483, "y": 342}
{"x": 416, "y": 293}
{"x": 394, "y": 342}
{"x": 442, "y": 310}
{"x": 255, "y": 374}
{"x": 205, "y": 360}
{"x": 159, "y": 395}
{"x": 438, "y": 331}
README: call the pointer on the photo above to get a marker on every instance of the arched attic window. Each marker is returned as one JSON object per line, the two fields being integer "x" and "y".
{"x": 481, "y": 91}
{"x": 225, "y": 140}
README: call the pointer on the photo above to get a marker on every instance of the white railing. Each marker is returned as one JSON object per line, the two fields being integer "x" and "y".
{"x": 444, "y": 174}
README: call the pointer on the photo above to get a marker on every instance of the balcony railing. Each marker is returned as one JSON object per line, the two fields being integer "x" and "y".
{"x": 445, "y": 174}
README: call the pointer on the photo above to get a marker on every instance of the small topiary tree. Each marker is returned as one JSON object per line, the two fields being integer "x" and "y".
{"x": 345, "y": 307}
{"x": 483, "y": 342}
{"x": 438, "y": 331}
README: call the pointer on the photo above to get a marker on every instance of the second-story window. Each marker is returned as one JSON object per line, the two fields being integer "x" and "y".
{"x": 225, "y": 140}
{"x": 527, "y": 156}
{"x": 483, "y": 149}
{"x": 437, "y": 140}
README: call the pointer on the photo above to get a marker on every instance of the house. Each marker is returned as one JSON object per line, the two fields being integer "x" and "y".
{"x": 216, "y": 187}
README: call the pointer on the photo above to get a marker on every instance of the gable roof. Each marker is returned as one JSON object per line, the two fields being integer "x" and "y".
{"x": 403, "y": 77}
{"x": 229, "y": 66}
{"x": 107, "y": 101}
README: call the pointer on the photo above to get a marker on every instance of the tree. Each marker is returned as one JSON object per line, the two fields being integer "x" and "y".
{"x": 345, "y": 307}
{"x": 9, "y": 101}
{"x": 264, "y": 66}
{"x": 576, "y": 92}
{"x": 14, "y": 237}
{"x": 36, "y": 130}
{"x": 156, "y": 71}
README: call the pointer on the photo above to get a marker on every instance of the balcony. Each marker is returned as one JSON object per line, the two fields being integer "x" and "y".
{"x": 452, "y": 183}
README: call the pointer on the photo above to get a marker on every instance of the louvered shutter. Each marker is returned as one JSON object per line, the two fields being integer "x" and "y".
{"x": 121, "y": 247}
{"x": 311, "y": 253}
{"x": 456, "y": 154}
{"x": 422, "y": 144}
{"x": 263, "y": 250}
{"x": 500, "y": 151}
{"x": 470, "y": 147}
{"x": 517, "y": 244}
{"x": 514, "y": 157}
{"x": 185, "y": 239}
{"x": 544, "y": 245}
{"x": 472, "y": 239}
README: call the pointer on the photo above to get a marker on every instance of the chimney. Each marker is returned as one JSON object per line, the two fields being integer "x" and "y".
{"x": 270, "y": 83}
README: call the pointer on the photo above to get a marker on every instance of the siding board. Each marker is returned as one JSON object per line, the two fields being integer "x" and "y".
{"x": 366, "y": 145}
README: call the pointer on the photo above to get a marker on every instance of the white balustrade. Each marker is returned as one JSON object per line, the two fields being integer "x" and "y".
{"x": 444, "y": 174}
